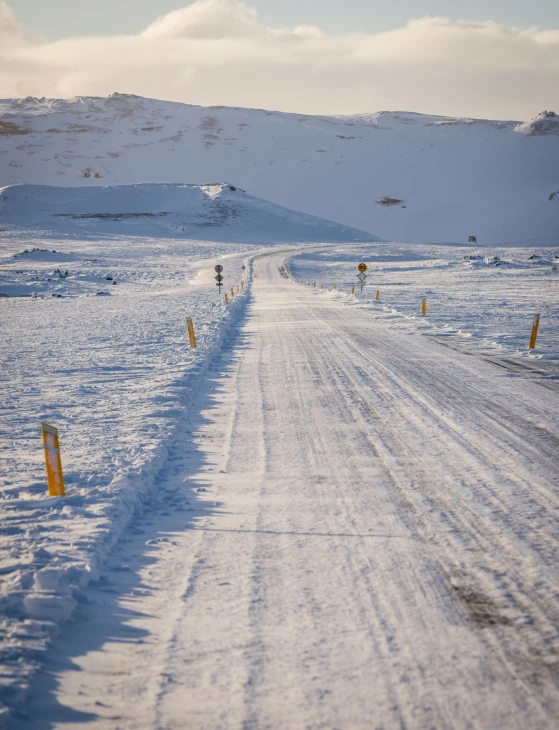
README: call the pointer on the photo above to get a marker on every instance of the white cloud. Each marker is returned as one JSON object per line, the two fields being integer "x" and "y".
{"x": 8, "y": 25}
{"x": 11, "y": 34}
{"x": 207, "y": 19}
{"x": 217, "y": 52}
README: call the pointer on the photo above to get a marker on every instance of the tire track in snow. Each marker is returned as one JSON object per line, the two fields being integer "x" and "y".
{"x": 369, "y": 561}
{"x": 342, "y": 383}
{"x": 466, "y": 524}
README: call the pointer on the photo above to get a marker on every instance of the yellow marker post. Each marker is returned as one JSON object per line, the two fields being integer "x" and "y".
{"x": 226, "y": 298}
{"x": 191, "y": 335}
{"x": 308, "y": 283}
{"x": 377, "y": 295}
{"x": 424, "y": 307}
{"x": 232, "y": 293}
{"x": 314, "y": 285}
{"x": 238, "y": 288}
{"x": 55, "y": 478}
{"x": 323, "y": 286}
{"x": 535, "y": 325}
{"x": 334, "y": 286}
{"x": 353, "y": 290}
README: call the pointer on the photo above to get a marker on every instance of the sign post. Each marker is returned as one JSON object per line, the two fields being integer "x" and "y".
{"x": 534, "y": 336}
{"x": 55, "y": 478}
{"x": 219, "y": 277}
{"x": 191, "y": 335}
{"x": 362, "y": 275}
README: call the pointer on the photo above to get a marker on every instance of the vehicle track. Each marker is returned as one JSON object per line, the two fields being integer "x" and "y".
{"x": 377, "y": 548}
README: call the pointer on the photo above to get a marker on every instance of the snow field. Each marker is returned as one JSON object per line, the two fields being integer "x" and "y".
{"x": 480, "y": 305}
{"x": 115, "y": 374}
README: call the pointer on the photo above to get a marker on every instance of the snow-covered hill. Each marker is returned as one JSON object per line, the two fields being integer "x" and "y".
{"x": 401, "y": 175}
{"x": 218, "y": 212}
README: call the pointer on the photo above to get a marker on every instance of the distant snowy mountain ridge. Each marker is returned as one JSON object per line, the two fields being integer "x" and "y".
{"x": 401, "y": 175}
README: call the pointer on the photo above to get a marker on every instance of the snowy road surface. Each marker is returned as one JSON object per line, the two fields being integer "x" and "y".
{"x": 359, "y": 530}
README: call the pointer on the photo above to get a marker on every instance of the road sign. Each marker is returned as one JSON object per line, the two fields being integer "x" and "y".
{"x": 362, "y": 267}
{"x": 219, "y": 277}
{"x": 362, "y": 275}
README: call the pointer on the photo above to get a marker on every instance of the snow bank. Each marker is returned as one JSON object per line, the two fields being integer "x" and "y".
{"x": 116, "y": 375}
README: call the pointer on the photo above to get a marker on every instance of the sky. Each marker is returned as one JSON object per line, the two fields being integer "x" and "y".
{"x": 61, "y": 18}
{"x": 495, "y": 59}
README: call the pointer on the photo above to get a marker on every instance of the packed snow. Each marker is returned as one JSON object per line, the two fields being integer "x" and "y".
{"x": 399, "y": 175}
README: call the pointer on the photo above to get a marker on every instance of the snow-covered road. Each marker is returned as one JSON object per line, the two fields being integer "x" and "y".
{"x": 359, "y": 530}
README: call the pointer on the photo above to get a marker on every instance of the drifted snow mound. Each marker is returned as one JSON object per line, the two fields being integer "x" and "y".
{"x": 214, "y": 212}
{"x": 405, "y": 176}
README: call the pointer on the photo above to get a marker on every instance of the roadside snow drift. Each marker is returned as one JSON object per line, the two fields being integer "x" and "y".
{"x": 404, "y": 176}
{"x": 204, "y": 212}
{"x": 94, "y": 343}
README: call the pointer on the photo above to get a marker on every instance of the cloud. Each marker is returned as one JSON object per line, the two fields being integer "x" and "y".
{"x": 208, "y": 19}
{"x": 218, "y": 52}
{"x": 11, "y": 33}
{"x": 221, "y": 19}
